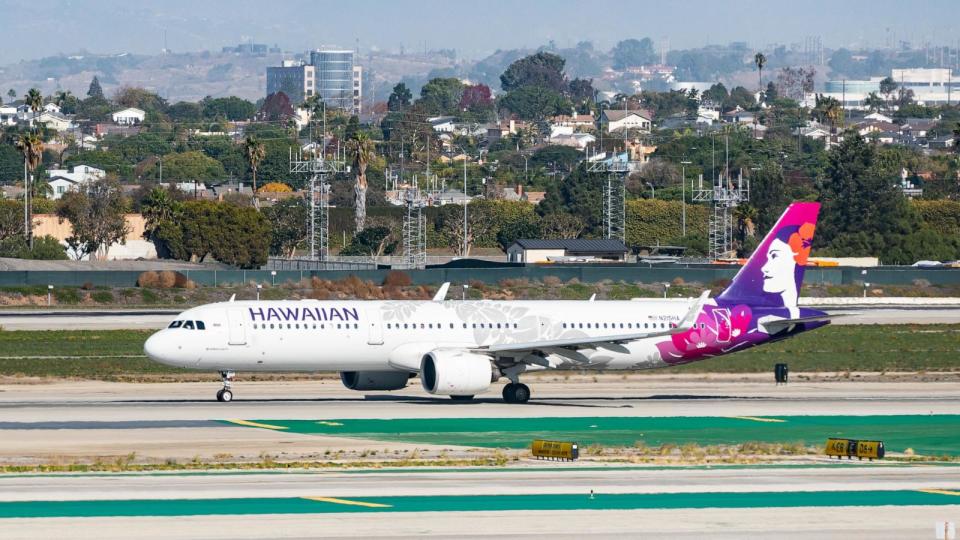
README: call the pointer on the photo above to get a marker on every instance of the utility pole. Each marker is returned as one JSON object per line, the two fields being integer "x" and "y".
{"x": 465, "y": 202}
{"x": 683, "y": 206}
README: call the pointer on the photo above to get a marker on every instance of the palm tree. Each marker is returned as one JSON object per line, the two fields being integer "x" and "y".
{"x": 31, "y": 146}
{"x": 255, "y": 152}
{"x": 34, "y": 99}
{"x": 760, "y": 60}
{"x": 873, "y": 102}
{"x": 61, "y": 97}
{"x": 361, "y": 148}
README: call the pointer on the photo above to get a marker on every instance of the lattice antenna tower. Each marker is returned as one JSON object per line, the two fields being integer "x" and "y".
{"x": 414, "y": 228}
{"x": 318, "y": 167}
{"x": 614, "y": 196}
{"x": 725, "y": 195}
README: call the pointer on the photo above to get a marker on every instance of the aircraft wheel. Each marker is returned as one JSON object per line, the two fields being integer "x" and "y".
{"x": 224, "y": 395}
{"x": 508, "y": 391}
{"x": 521, "y": 394}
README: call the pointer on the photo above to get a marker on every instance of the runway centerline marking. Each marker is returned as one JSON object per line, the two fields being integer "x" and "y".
{"x": 348, "y": 502}
{"x": 940, "y": 492}
{"x": 759, "y": 419}
{"x": 254, "y": 424}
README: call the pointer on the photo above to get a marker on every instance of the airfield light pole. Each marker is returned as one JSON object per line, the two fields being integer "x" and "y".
{"x": 683, "y": 196}
{"x": 865, "y": 287}
{"x": 259, "y": 286}
{"x": 666, "y": 289}
{"x": 49, "y": 295}
{"x": 273, "y": 278}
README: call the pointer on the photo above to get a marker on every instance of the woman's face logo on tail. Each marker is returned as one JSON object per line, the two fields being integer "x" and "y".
{"x": 779, "y": 270}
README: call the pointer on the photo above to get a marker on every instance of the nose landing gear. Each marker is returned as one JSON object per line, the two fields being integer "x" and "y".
{"x": 225, "y": 394}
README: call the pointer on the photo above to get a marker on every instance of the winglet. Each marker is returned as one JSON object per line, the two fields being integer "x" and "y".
{"x": 593, "y": 297}
{"x": 233, "y": 297}
{"x": 691, "y": 317}
{"x": 442, "y": 292}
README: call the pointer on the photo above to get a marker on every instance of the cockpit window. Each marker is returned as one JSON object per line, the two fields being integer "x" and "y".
{"x": 175, "y": 324}
{"x": 188, "y": 325}
{"x": 201, "y": 326}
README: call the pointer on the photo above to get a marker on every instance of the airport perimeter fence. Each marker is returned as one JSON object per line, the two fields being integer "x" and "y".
{"x": 703, "y": 274}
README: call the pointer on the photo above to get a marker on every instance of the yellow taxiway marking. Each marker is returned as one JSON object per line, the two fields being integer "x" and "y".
{"x": 941, "y": 492}
{"x": 757, "y": 419}
{"x": 326, "y": 423}
{"x": 348, "y": 502}
{"x": 255, "y": 424}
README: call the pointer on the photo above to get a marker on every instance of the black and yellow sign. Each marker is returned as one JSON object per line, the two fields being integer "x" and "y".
{"x": 566, "y": 451}
{"x": 851, "y": 448}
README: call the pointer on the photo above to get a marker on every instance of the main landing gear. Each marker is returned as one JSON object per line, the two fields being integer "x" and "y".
{"x": 225, "y": 394}
{"x": 516, "y": 393}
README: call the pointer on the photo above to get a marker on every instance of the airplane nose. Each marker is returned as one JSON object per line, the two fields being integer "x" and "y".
{"x": 157, "y": 349}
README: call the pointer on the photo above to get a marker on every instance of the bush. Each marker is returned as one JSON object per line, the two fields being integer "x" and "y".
{"x": 149, "y": 297}
{"x": 396, "y": 278}
{"x": 102, "y": 297}
{"x": 66, "y": 295}
{"x": 165, "y": 279}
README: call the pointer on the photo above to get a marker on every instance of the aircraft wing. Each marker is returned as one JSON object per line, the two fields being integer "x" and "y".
{"x": 586, "y": 342}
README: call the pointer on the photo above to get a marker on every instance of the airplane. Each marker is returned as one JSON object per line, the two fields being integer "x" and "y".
{"x": 460, "y": 347}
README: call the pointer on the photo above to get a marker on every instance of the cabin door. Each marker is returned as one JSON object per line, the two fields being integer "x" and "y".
{"x": 375, "y": 332}
{"x": 237, "y": 327}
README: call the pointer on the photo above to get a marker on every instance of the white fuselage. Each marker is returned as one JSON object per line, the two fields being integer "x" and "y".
{"x": 318, "y": 335}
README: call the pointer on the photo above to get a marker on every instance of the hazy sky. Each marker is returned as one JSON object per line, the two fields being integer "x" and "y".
{"x": 36, "y": 28}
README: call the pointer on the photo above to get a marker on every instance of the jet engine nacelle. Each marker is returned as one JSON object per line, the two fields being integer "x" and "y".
{"x": 455, "y": 373}
{"x": 374, "y": 380}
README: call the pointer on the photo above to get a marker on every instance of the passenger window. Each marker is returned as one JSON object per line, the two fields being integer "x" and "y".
{"x": 175, "y": 324}
{"x": 201, "y": 326}
{"x": 188, "y": 325}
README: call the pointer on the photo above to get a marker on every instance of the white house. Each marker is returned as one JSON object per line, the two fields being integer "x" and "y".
{"x": 879, "y": 117}
{"x": 55, "y": 121}
{"x": 52, "y": 108}
{"x": 129, "y": 116}
{"x": 443, "y": 124}
{"x": 62, "y": 180}
{"x": 618, "y": 120}
{"x": 575, "y": 140}
{"x": 8, "y": 116}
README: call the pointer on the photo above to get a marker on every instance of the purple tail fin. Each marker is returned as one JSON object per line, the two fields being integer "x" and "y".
{"x": 773, "y": 274}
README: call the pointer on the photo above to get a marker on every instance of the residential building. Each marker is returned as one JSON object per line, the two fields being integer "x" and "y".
{"x": 8, "y": 115}
{"x": 129, "y": 117}
{"x": 918, "y": 127}
{"x": 574, "y": 140}
{"x": 55, "y": 121}
{"x": 443, "y": 124}
{"x": 584, "y": 121}
{"x": 294, "y": 79}
{"x": 879, "y": 117}
{"x": 63, "y": 180}
{"x": 619, "y": 120}
{"x": 566, "y": 250}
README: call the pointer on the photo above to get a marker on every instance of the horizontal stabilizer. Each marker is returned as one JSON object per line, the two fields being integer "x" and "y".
{"x": 777, "y": 325}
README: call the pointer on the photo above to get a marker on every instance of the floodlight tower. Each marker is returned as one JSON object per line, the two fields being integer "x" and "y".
{"x": 319, "y": 168}
{"x": 414, "y": 228}
{"x": 725, "y": 195}
{"x": 614, "y": 195}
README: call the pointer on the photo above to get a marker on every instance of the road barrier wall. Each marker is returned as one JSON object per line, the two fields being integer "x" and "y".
{"x": 703, "y": 274}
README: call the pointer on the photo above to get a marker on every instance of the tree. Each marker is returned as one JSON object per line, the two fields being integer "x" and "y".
{"x": 534, "y": 103}
{"x": 632, "y": 53}
{"x": 441, "y": 96}
{"x": 288, "y": 225}
{"x": 479, "y": 223}
{"x": 34, "y": 100}
{"x": 141, "y": 98}
{"x": 95, "y": 91}
{"x": 873, "y": 102}
{"x": 372, "y": 242}
{"x": 561, "y": 225}
{"x": 276, "y": 108}
{"x": 770, "y": 95}
{"x": 361, "y": 149}
{"x": 97, "y": 218}
{"x": 234, "y": 235}
{"x": 255, "y": 152}
{"x": 760, "y": 60}
{"x": 229, "y": 108}
{"x": 887, "y": 87}
{"x": 12, "y": 94}
{"x": 716, "y": 94}
{"x": 31, "y": 147}
{"x": 192, "y": 166}
{"x": 162, "y": 213}
{"x": 582, "y": 94}
{"x": 400, "y": 98}
{"x": 542, "y": 69}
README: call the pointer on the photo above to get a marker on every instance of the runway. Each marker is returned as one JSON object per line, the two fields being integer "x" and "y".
{"x": 320, "y": 421}
{"x": 139, "y": 319}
